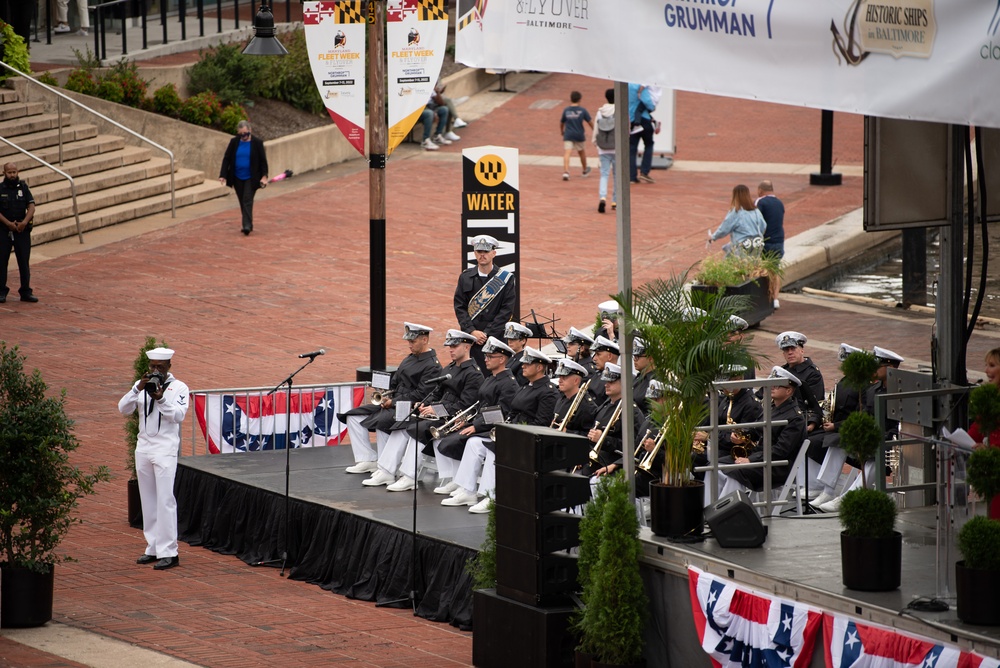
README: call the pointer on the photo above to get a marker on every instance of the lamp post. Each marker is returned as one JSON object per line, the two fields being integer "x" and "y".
{"x": 264, "y": 43}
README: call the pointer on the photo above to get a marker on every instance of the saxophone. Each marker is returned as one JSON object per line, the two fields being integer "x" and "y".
{"x": 748, "y": 445}
{"x": 828, "y": 404}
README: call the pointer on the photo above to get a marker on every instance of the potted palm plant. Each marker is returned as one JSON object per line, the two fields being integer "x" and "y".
{"x": 748, "y": 274}
{"x": 688, "y": 346}
{"x": 871, "y": 550}
{"x": 39, "y": 490}
{"x": 977, "y": 575}
{"x": 140, "y": 367}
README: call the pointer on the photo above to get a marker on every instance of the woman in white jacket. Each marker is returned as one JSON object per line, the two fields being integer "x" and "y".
{"x": 604, "y": 132}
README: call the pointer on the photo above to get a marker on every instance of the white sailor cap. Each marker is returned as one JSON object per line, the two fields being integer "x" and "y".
{"x": 737, "y": 324}
{"x": 568, "y": 367}
{"x": 515, "y": 330}
{"x": 611, "y": 373}
{"x": 495, "y": 345}
{"x": 654, "y": 390}
{"x": 779, "y": 372}
{"x": 886, "y": 356}
{"x": 457, "y": 336}
{"x": 531, "y": 356}
{"x": 160, "y": 354}
{"x": 692, "y": 313}
{"x": 846, "y": 350}
{"x": 604, "y": 343}
{"x": 638, "y": 347}
{"x": 576, "y": 336}
{"x": 609, "y": 310}
{"x": 731, "y": 370}
{"x": 790, "y": 340}
{"x": 485, "y": 242}
{"x": 412, "y": 330}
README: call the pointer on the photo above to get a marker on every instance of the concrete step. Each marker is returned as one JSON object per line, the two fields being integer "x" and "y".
{"x": 64, "y": 227}
{"x": 38, "y": 176}
{"x": 82, "y": 149}
{"x": 35, "y": 141}
{"x": 99, "y": 181}
{"x": 123, "y": 194}
{"x": 12, "y": 110}
{"x": 14, "y": 128}
{"x": 8, "y": 95}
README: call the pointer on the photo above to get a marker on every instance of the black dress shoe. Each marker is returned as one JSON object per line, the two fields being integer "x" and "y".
{"x": 145, "y": 559}
{"x": 30, "y": 298}
{"x": 246, "y": 233}
{"x": 3, "y": 298}
{"x": 166, "y": 562}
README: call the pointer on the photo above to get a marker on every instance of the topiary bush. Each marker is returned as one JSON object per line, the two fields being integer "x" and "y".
{"x": 201, "y": 109}
{"x": 167, "y": 101}
{"x": 979, "y": 543}
{"x": 983, "y": 472}
{"x": 859, "y": 370}
{"x": 984, "y": 407}
{"x": 867, "y": 513}
{"x": 860, "y": 436}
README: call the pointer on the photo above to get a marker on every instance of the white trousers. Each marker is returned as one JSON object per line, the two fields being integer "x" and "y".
{"x": 361, "y": 444}
{"x": 447, "y": 467}
{"x": 833, "y": 464}
{"x": 398, "y": 454}
{"x": 727, "y": 486}
{"x": 477, "y": 460}
{"x": 159, "y": 507}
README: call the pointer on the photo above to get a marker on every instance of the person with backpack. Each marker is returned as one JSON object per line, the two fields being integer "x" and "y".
{"x": 604, "y": 140}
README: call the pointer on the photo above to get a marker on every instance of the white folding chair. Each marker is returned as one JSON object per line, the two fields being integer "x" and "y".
{"x": 796, "y": 476}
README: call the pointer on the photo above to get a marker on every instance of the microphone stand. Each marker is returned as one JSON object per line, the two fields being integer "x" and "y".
{"x": 412, "y": 597}
{"x": 288, "y": 448}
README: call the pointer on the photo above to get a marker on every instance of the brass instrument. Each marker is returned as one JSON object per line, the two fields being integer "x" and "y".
{"x": 638, "y": 448}
{"x": 647, "y": 462}
{"x": 828, "y": 404}
{"x": 378, "y": 396}
{"x": 595, "y": 454}
{"x": 573, "y": 407}
{"x": 493, "y": 431}
{"x": 455, "y": 423}
{"x": 748, "y": 443}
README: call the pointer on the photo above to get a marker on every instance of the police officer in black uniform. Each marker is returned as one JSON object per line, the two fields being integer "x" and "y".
{"x": 17, "y": 210}
{"x": 486, "y": 315}
{"x": 571, "y": 375}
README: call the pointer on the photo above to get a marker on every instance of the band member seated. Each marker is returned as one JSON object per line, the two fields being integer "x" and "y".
{"x": 456, "y": 389}
{"x": 785, "y": 442}
{"x": 408, "y": 384}
{"x": 811, "y": 391}
{"x": 605, "y": 350}
{"x": 484, "y": 296}
{"x": 649, "y": 454}
{"x": 606, "y": 434}
{"x": 497, "y": 390}
{"x": 516, "y": 336}
{"x": 738, "y": 406}
{"x": 607, "y": 320}
{"x": 576, "y": 409}
{"x": 533, "y": 404}
{"x": 578, "y": 347}
{"x": 644, "y": 367}
{"x": 835, "y": 459}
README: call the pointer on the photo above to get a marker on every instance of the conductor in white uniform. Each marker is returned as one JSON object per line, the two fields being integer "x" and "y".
{"x": 162, "y": 402}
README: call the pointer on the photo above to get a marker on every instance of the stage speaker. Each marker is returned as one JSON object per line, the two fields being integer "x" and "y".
{"x": 539, "y": 493}
{"x": 507, "y": 633}
{"x": 535, "y": 579}
{"x": 734, "y": 522}
{"x": 539, "y": 449}
{"x": 537, "y": 534}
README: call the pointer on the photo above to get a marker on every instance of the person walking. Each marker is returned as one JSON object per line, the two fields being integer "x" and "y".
{"x": 773, "y": 210}
{"x": 604, "y": 140}
{"x": 571, "y": 127}
{"x": 640, "y": 106}
{"x": 17, "y": 211}
{"x": 744, "y": 223}
{"x": 244, "y": 169}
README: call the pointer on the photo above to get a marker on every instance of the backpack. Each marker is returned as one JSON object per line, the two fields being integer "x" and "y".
{"x": 605, "y": 137}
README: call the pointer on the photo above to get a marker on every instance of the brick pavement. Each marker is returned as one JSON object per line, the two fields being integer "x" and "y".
{"x": 238, "y": 309}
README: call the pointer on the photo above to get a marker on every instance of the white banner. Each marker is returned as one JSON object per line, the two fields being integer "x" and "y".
{"x": 416, "y": 34}
{"x": 335, "y": 39}
{"x": 913, "y": 59}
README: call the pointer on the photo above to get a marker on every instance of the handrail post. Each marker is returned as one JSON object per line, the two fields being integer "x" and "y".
{"x": 201, "y": 18}
{"x": 76, "y": 208}
{"x": 236, "y": 6}
{"x": 182, "y": 10}
{"x": 145, "y": 38}
{"x": 48, "y": 23}
{"x": 104, "y": 41}
{"x": 125, "y": 15}
{"x": 59, "y": 127}
{"x": 173, "y": 207}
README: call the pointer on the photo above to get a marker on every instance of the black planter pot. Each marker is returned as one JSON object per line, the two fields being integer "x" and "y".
{"x": 597, "y": 664}
{"x": 977, "y": 591}
{"x": 677, "y": 511}
{"x": 759, "y": 291}
{"x": 871, "y": 564}
{"x": 25, "y": 597}
{"x": 134, "y": 505}
{"x": 582, "y": 659}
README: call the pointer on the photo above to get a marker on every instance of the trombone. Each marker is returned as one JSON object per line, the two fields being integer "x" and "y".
{"x": 647, "y": 462}
{"x": 573, "y": 407}
{"x": 595, "y": 454}
{"x": 455, "y": 423}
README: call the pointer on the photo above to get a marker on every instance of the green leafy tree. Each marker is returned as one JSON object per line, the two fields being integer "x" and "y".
{"x": 226, "y": 72}
{"x": 483, "y": 566}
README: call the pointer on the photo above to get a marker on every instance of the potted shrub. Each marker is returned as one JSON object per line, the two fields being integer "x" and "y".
{"x": 614, "y": 617}
{"x": 39, "y": 490}
{"x": 140, "y": 368}
{"x": 688, "y": 346}
{"x": 977, "y": 576}
{"x": 750, "y": 274}
{"x": 984, "y": 407}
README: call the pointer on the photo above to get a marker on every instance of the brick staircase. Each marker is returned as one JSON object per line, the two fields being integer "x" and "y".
{"x": 115, "y": 182}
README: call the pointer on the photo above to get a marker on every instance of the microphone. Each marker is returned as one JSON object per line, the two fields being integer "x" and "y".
{"x": 313, "y": 355}
{"x": 440, "y": 379}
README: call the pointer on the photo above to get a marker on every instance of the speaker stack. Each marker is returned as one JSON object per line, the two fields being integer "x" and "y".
{"x": 525, "y": 622}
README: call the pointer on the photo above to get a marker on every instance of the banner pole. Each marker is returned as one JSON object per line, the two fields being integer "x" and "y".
{"x": 377, "y": 148}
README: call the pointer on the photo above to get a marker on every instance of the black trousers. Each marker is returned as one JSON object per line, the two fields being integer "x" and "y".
{"x": 245, "y": 190}
{"x": 21, "y": 246}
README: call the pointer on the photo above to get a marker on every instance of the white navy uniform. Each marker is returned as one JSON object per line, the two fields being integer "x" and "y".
{"x": 156, "y": 461}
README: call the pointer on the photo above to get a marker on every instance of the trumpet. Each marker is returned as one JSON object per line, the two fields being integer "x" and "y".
{"x": 595, "y": 454}
{"x": 647, "y": 462}
{"x": 455, "y": 423}
{"x": 573, "y": 407}
{"x": 378, "y": 396}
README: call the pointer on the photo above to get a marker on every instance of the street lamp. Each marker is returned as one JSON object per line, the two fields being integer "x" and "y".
{"x": 264, "y": 43}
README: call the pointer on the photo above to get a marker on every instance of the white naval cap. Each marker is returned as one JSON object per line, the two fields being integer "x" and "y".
{"x": 778, "y": 372}
{"x": 730, "y": 370}
{"x": 609, "y": 309}
{"x": 515, "y": 330}
{"x": 611, "y": 373}
{"x": 495, "y": 345}
{"x": 568, "y": 367}
{"x": 886, "y": 356}
{"x": 604, "y": 343}
{"x": 485, "y": 242}
{"x": 532, "y": 355}
{"x": 160, "y": 354}
{"x": 412, "y": 330}
{"x": 790, "y": 340}
{"x": 576, "y": 336}
{"x": 638, "y": 347}
{"x": 692, "y": 313}
{"x": 457, "y": 336}
{"x": 846, "y": 350}
{"x": 654, "y": 390}
{"x": 737, "y": 324}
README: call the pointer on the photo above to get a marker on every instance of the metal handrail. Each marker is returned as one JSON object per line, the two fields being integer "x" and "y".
{"x": 72, "y": 183}
{"x": 100, "y": 34}
{"x": 63, "y": 96}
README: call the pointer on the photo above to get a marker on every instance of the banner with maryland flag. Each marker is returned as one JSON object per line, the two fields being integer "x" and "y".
{"x": 335, "y": 39}
{"x": 416, "y": 37}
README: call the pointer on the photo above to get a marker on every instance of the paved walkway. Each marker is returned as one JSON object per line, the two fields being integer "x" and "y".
{"x": 238, "y": 309}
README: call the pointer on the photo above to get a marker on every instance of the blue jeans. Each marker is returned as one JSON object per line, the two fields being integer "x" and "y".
{"x": 647, "y": 150}
{"x": 607, "y": 169}
{"x": 427, "y": 118}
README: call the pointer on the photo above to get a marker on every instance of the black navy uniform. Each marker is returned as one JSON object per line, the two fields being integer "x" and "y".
{"x": 409, "y": 383}
{"x": 496, "y": 390}
{"x": 583, "y": 419}
{"x": 785, "y": 443}
{"x": 534, "y": 404}
{"x": 514, "y": 364}
{"x": 494, "y": 317}
{"x": 611, "y": 448}
{"x": 847, "y": 402}
{"x": 15, "y": 198}
{"x": 811, "y": 392}
{"x": 456, "y": 394}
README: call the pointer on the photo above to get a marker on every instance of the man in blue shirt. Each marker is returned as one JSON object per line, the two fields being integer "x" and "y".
{"x": 773, "y": 210}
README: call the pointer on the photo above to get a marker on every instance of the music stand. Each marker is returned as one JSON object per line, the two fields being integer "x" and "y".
{"x": 288, "y": 448}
